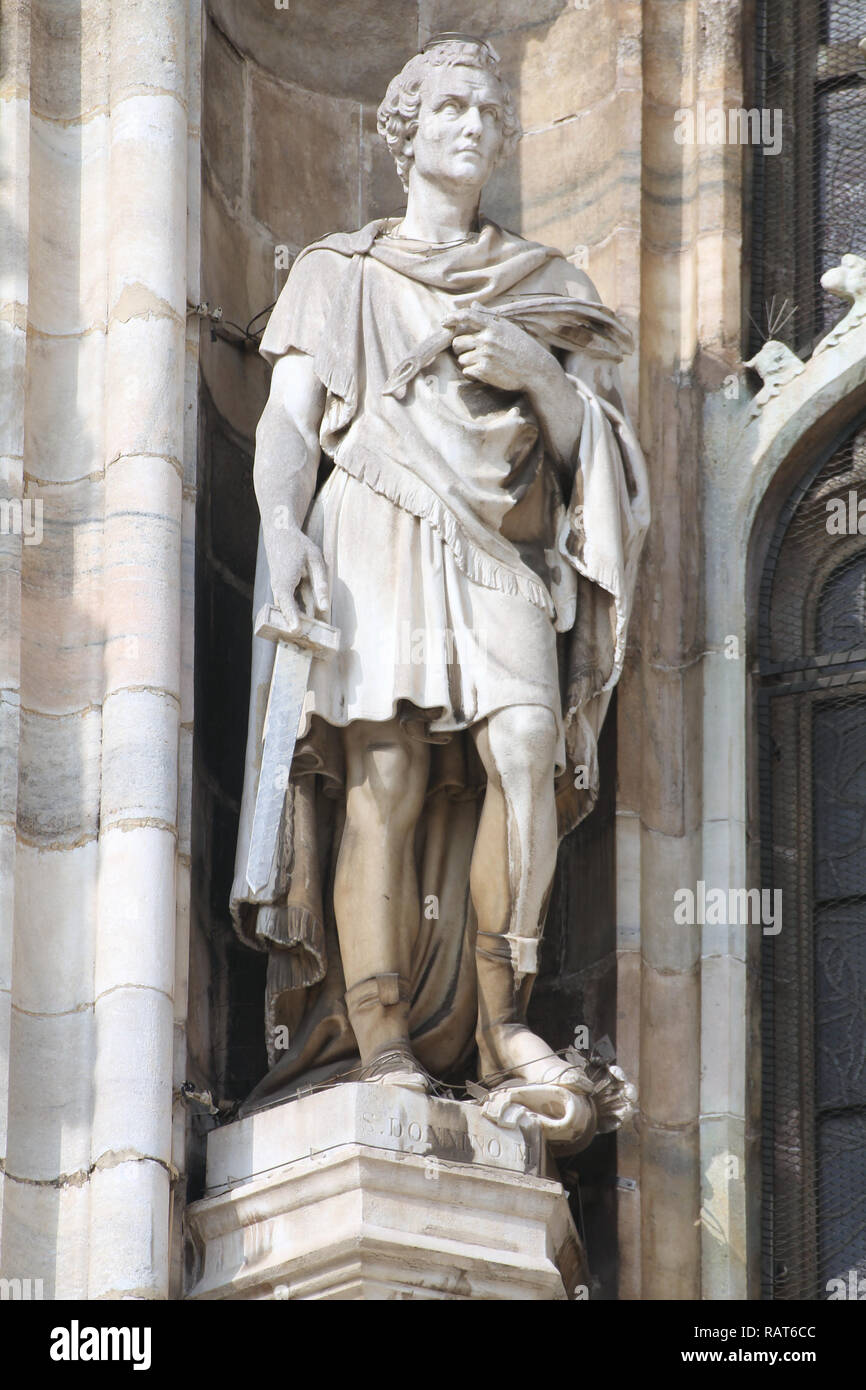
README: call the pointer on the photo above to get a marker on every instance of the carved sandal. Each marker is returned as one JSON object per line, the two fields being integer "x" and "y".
{"x": 397, "y": 1067}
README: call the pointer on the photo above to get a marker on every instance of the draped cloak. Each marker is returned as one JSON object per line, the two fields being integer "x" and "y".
{"x": 545, "y": 550}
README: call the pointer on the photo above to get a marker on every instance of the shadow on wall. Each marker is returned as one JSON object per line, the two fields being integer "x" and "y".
{"x": 291, "y": 153}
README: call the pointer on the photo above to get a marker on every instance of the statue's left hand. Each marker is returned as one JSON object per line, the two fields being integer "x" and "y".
{"x": 499, "y": 353}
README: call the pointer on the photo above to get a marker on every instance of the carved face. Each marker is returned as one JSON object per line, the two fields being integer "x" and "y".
{"x": 459, "y": 136}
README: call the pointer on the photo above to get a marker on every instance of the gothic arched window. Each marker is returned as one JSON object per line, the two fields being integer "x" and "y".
{"x": 812, "y": 741}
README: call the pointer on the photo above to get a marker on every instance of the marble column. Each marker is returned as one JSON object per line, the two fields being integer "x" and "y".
{"x": 693, "y": 1016}
{"x": 14, "y": 268}
{"x": 99, "y": 770}
{"x": 669, "y": 733}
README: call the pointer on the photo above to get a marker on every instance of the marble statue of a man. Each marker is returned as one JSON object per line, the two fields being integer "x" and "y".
{"x": 446, "y": 475}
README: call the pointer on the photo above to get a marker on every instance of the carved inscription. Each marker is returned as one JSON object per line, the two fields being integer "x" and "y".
{"x": 441, "y": 1141}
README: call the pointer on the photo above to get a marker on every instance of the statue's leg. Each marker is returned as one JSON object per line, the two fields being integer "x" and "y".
{"x": 512, "y": 869}
{"x": 376, "y": 901}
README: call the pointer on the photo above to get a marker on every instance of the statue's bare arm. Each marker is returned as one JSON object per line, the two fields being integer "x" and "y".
{"x": 284, "y": 476}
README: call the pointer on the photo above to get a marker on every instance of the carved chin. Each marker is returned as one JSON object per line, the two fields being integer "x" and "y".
{"x": 474, "y": 170}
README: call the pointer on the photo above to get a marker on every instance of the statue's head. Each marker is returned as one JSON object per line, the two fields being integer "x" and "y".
{"x": 450, "y": 112}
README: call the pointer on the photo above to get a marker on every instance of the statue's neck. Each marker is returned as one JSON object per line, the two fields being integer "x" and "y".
{"x": 437, "y": 213}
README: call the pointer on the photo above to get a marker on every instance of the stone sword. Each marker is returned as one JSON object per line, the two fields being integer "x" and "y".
{"x": 295, "y": 653}
{"x": 556, "y": 319}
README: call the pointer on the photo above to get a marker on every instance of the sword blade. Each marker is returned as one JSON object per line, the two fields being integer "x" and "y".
{"x": 285, "y": 705}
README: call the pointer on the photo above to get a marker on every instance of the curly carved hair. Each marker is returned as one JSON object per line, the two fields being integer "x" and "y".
{"x": 397, "y": 117}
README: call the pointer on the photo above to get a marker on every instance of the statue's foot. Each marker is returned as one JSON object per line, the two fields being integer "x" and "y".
{"x": 397, "y": 1067}
{"x": 512, "y": 1052}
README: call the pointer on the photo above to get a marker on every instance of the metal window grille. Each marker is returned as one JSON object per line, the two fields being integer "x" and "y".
{"x": 811, "y": 690}
{"x": 808, "y": 203}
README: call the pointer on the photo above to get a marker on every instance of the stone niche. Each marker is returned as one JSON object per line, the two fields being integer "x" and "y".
{"x": 290, "y": 153}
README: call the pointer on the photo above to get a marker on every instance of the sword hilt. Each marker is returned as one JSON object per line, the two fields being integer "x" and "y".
{"x": 311, "y": 634}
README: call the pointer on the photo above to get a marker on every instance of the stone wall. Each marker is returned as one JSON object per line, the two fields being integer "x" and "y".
{"x": 100, "y": 109}
{"x": 100, "y": 424}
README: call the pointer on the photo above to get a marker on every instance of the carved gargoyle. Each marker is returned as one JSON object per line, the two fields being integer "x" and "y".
{"x": 847, "y": 281}
{"x": 776, "y": 365}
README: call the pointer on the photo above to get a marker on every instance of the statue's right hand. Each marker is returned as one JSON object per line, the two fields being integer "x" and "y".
{"x": 300, "y": 562}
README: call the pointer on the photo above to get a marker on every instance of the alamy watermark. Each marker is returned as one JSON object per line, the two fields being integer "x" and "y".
{"x": 851, "y": 1287}
{"x": 714, "y": 125}
{"x": 846, "y": 516}
{"x": 729, "y": 907}
{"x": 77, "y": 1343}
{"x": 21, "y": 1290}
{"x": 22, "y": 516}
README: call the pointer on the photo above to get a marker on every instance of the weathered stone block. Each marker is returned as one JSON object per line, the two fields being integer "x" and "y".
{"x": 147, "y": 214}
{"x": 55, "y": 900}
{"x": 671, "y": 764}
{"x": 62, "y": 597}
{"x": 346, "y": 48}
{"x": 670, "y": 1017}
{"x": 69, "y": 45}
{"x": 58, "y": 788}
{"x": 382, "y": 193}
{"x": 45, "y": 1236}
{"x": 13, "y": 348}
{"x": 136, "y": 895}
{"x": 490, "y": 18}
{"x": 144, "y": 408}
{"x": 9, "y": 735}
{"x": 238, "y": 381}
{"x": 670, "y": 1203}
{"x": 668, "y": 864}
{"x": 15, "y": 58}
{"x": 628, "y": 858}
{"x": 240, "y": 268}
{"x": 560, "y": 64}
{"x": 69, "y": 190}
{"x": 129, "y": 1231}
{"x": 413, "y": 1197}
{"x": 8, "y": 850}
{"x": 14, "y": 201}
{"x": 50, "y": 1094}
{"x": 5, "y": 1038}
{"x": 139, "y": 759}
{"x": 305, "y": 161}
{"x": 222, "y": 129}
{"x": 65, "y": 399}
{"x": 142, "y": 574}
{"x": 557, "y": 206}
{"x": 132, "y": 1075}
{"x": 723, "y": 1008}
{"x": 723, "y": 1209}
{"x": 148, "y": 47}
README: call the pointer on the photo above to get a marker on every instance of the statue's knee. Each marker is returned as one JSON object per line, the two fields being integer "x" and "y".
{"x": 522, "y": 743}
{"x": 391, "y": 781}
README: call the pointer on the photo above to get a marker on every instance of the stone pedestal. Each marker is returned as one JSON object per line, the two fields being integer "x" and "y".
{"x": 371, "y": 1192}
